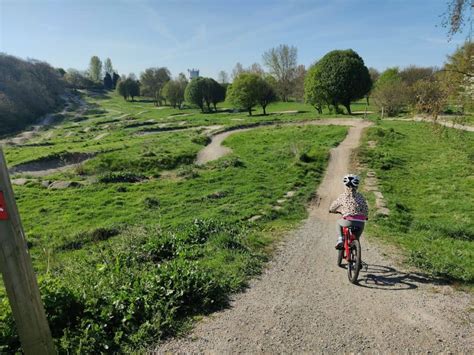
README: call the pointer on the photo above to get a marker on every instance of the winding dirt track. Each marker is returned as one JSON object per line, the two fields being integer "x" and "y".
{"x": 304, "y": 303}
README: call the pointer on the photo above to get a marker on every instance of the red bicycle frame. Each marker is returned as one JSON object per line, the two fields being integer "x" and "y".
{"x": 349, "y": 237}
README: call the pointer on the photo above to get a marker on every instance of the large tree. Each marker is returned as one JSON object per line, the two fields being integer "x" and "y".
{"x": 458, "y": 76}
{"x": 265, "y": 93}
{"x": 128, "y": 88}
{"x": 340, "y": 77}
{"x": 223, "y": 77}
{"x": 238, "y": 69}
{"x": 390, "y": 93}
{"x": 217, "y": 93}
{"x": 298, "y": 85}
{"x": 152, "y": 81}
{"x": 95, "y": 69}
{"x": 281, "y": 62}
{"x": 108, "y": 68}
{"x": 173, "y": 92}
{"x": 243, "y": 93}
{"x": 195, "y": 91}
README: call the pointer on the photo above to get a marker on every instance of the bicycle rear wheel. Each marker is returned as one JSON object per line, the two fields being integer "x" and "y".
{"x": 355, "y": 261}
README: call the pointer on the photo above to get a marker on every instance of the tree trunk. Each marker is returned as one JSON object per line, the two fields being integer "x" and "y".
{"x": 215, "y": 108}
{"x": 264, "y": 112}
{"x": 348, "y": 108}
{"x": 250, "y": 111}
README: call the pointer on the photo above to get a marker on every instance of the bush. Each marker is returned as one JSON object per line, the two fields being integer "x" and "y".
{"x": 140, "y": 287}
{"x": 114, "y": 177}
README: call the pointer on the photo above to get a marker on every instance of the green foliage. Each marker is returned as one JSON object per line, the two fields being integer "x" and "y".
{"x": 425, "y": 178}
{"x": 265, "y": 93}
{"x": 153, "y": 80}
{"x": 123, "y": 176}
{"x": 173, "y": 92}
{"x": 137, "y": 284}
{"x": 128, "y": 88}
{"x": 29, "y": 89}
{"x": 95, "y": 69}
{"x": 195, "y": 92}
{"x": 243, "y": 93}
{"x": 390, "y": 93}
{"x": 139, "y": 287}
{"x": 340, "y": 77}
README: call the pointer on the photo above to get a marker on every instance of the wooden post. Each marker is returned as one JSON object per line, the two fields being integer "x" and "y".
{"x": 18, "y": 275}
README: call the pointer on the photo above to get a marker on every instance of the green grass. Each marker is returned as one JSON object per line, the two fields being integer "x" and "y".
{"x": 426, "y": 175}
{"x": 136, "y": 260}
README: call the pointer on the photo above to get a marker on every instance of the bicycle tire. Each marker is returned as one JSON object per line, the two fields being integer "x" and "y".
{"x": 355, "y": 261}
{"x": 340, "y": 256}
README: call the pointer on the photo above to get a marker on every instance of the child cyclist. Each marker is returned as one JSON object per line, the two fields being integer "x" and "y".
{"x": 352, "y": 206}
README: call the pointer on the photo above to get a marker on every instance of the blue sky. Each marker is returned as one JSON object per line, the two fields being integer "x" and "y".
{"x": 214, "y": 35}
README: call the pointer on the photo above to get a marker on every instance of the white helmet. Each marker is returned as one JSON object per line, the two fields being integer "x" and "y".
{"x": 351, "y": 180}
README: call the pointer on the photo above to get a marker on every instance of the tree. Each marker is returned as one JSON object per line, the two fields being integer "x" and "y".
{"x": 340, "y": 77}
{"x": 430, "y": 97}
{"x": 133, "y": 88}
{"x": 238, "y": 69}
{"x": 411, "y": 74}
{"x": 243, "y": 93}
{"x": 282, "y": 61}
{"x": 298, "y": 85}
{"x": 108, "y": 85}
{"x": 315, "y": 93}
{"x": 265, "y": 93}
{"x": 77, "y": 80}
{"x": 223, "y": 77}
{"x": 128, "y": 88}
{"x": 152, "y": 81}
{"x": 173, "y": 92}
{"x": 390, "y": 93}
{"x": 28, "y": 90}
{"x": 194, "y": 92}
{"x": 374, "y": 75}
{"x": 217, "y": 93}
{"x": 115, "y": 79}
{"x": 95, "y": 69}
{"x": 455, "y": 15}
{"x": 256, "y": 69}
{"x": 108, "y": 68}
{"x": 122, "y": 89}
{"x": 458, "y": 76}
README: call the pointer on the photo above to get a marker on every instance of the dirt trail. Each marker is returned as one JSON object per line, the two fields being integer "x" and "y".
{"x": 304, "y": 302}
{"x": 216, "y": 150}
{"x": 442, "y": 122}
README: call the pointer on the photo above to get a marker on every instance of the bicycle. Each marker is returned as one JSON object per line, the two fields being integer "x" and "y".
{"x": 351, "y": 252}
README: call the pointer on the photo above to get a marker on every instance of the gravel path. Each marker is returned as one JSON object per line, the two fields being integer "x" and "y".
{"x": 304, "y": 302}
{"x": 216, "y": 150}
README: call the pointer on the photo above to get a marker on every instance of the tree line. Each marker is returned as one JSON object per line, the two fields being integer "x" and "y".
{"x": 28, "y": 90}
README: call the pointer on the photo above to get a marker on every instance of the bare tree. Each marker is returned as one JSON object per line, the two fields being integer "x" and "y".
{"x": 256, "y": 69}
{"x": 95, "y": 69}
{"x": 238, "y": 69}
{"x": 455, "y": 16}
{"x": 282, "y": 61}
{"x": 108, "y": 68}
{"x": 298, "y": 87}
{"x": 223, "y": 77}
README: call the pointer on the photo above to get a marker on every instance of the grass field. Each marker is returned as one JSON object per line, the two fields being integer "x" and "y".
{"x": 426, "y": 174}
{"x": 135, "y": 260}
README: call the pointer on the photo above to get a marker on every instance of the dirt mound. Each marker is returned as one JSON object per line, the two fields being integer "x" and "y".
{"x": 51, "y": 164}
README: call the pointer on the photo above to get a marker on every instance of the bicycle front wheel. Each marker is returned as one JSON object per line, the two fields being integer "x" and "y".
{"x": 355, "y": 261}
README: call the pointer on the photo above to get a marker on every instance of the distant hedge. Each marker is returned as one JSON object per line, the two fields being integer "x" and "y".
{"x": 28, "y": 90}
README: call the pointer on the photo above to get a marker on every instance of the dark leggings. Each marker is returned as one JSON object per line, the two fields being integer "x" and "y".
{"x": 346, "y": 223}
